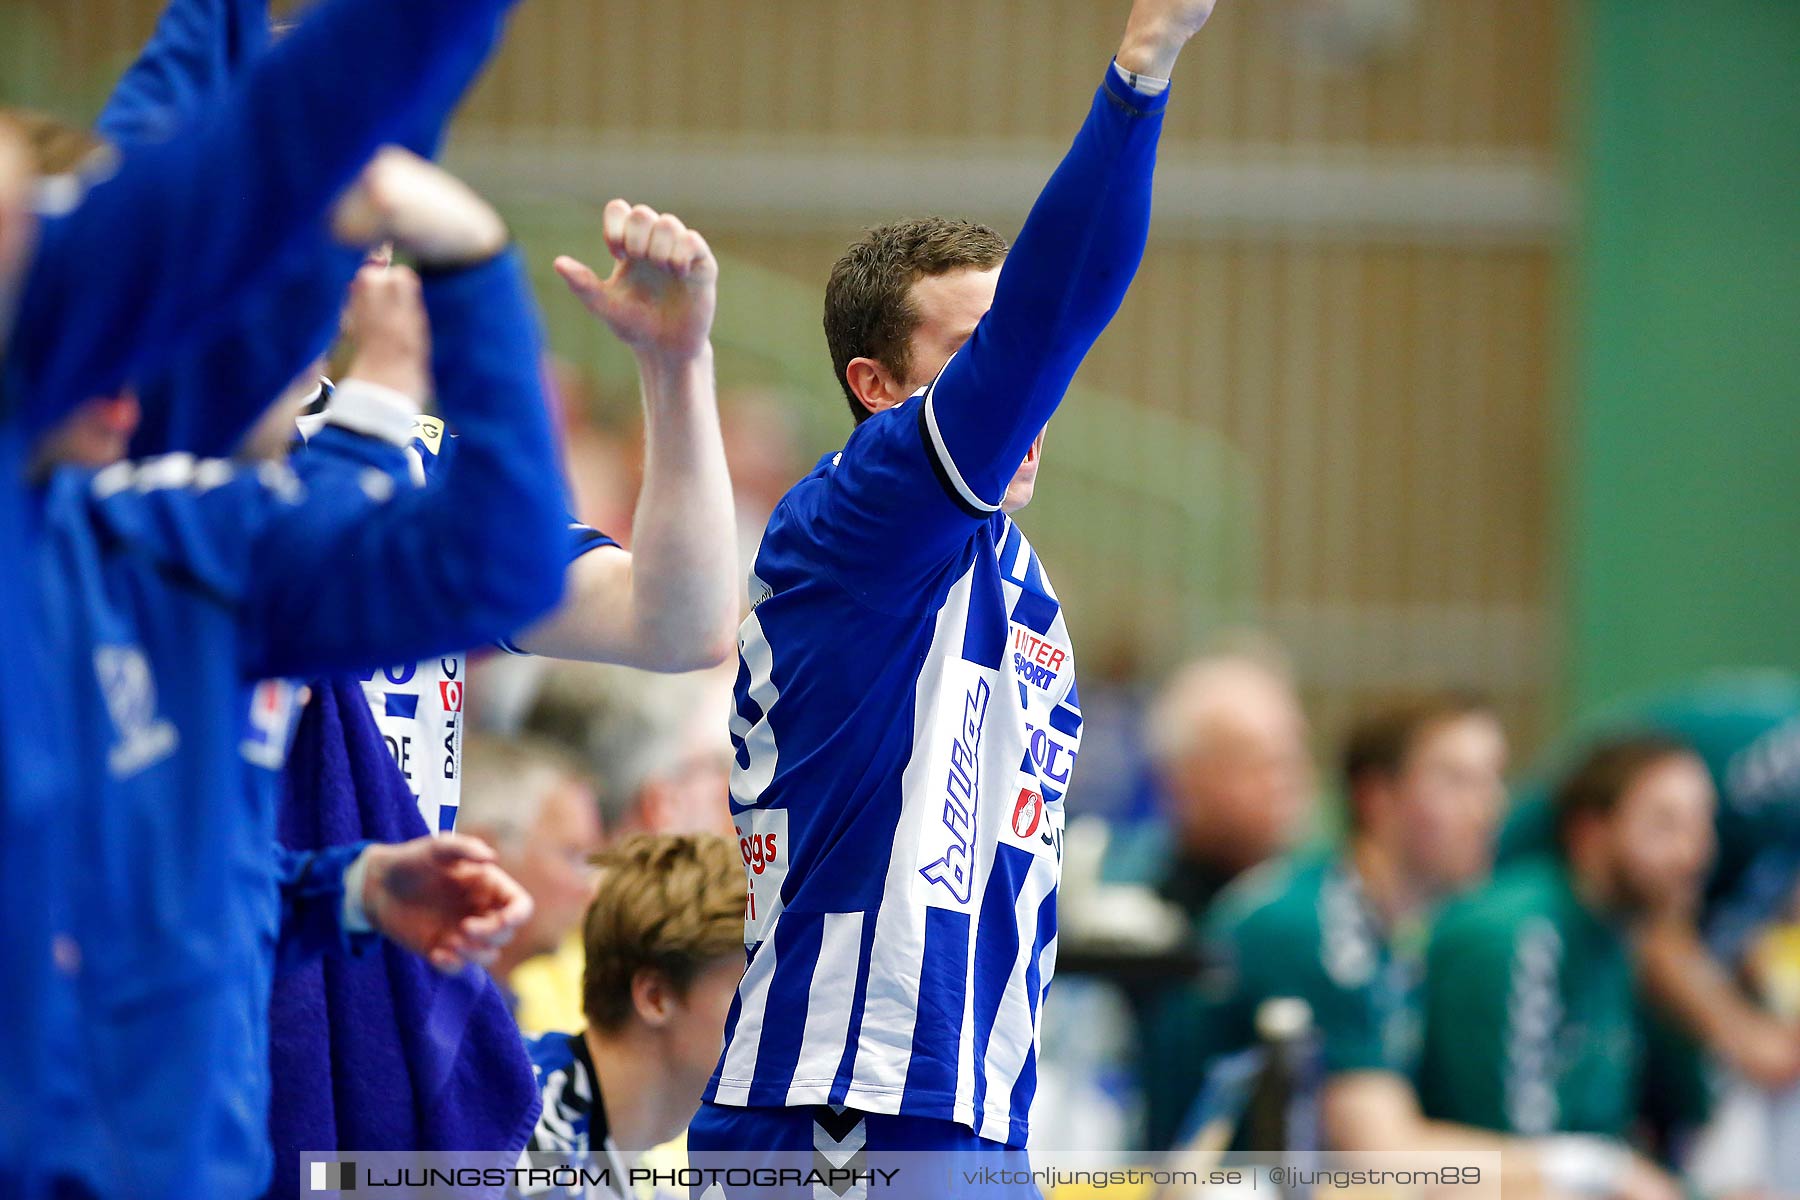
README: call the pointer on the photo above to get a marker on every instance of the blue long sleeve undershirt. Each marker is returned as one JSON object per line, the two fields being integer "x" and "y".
{"x": 312, "y": 903}
{"x": 198, "y": 49}
{"x": 158, "y": 253}
{"x": 203, "y": 400}
{"x": 1061, "y": 284}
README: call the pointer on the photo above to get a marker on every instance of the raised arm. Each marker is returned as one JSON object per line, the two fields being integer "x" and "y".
{"x": 157, "y": 253}
{"x": 1067, "y": 273}
{"x": 207, "y": 399}
{"x": 343, "y": 580}
{"x": 17, "y": 229}
{"x": 200, "y": 49}
{"x": 1683, "y": 977}
{"x": 671, "y": 604}
{"x": 202, "y": 400}
{"x": 192, "y": 59}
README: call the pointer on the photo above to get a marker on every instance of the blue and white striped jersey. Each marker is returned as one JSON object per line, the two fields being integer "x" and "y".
{"x": 903, "y": 747}
{"x": 571, "y": 1128}
{"x": 906, "y": 715}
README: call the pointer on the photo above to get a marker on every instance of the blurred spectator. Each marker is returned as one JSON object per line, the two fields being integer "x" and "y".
{"x": 762, "y": 445}
{"x": 1341, "y": 927}
{"x": 1531, "y": 1023}
{"x": 1344, "y": 929}
{"x": 534, "y": 806}
{"x": 664, "y": 951}
{"x": 1227, "y": 743}
{"x": 1746, "y": 729}
{"x": 657, "y": 749}
{"x": 657, "y": 745}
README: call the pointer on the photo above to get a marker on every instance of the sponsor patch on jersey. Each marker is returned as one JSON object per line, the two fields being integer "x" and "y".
{"x": 763, "y": 842}
{"x": 1027, "y": 814}
{"x": 952, "y": 826}
{"x": 1035, "y": 822}
{"x": 430, "y": 431}
{"x": 418, "y": 708}
{"x": 1052, "y": 759}
{"x": 275, "y": 706}
{"x": 1036, "y": 659}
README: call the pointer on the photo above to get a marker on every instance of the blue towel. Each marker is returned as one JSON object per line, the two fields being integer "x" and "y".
{"x": 379, "y": 1051}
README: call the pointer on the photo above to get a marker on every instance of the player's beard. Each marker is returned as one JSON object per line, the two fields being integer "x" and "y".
{"x": 1638, "y": 894}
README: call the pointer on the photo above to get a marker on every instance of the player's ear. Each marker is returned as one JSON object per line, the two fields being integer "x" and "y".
{"x": 873, "y": 387}
{"x": 653, "y": 996}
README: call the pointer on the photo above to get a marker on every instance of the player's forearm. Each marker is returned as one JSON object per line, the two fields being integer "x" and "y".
{"x": 1521, "y": 1169}
{"x": 1155, "y": 34}
{"x": 211, "y": 209}
{"x": 1378, "y": 1112}
{"x": 1682, "y": 977}
{"x": 1062, "y": 282}
{"x": 684, "y": 569}
{"x": 1685, "y": 980}
{"x": 312, "y": 884}
{"x": 199, "y": 50}
{"x": 675, "y": 607}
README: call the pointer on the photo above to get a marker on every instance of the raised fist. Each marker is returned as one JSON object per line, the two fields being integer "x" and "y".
{"x": 1156, "y": 32}
{"x": 663, "y": 289}
{"x": 421, "y": 208}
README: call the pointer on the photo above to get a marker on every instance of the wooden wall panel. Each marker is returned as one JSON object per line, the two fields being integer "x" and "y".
{"x": 1391, "y": 395}
{"x": 1478, "y": 73}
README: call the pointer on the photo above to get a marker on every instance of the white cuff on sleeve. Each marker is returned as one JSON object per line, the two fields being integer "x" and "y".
{"x": 355, "y": 917}
{"x": 373, "y": 410}
{"x": 1146, "y": 85}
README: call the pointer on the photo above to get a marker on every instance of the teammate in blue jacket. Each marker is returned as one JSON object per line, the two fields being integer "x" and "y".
{"x": 130, "y": 263}
{"x": 906, "y": 711}
{"x": 168, "y": 588}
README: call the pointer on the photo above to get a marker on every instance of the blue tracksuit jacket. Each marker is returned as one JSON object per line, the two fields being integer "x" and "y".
{"x": 168, "y": 588}
{"x": 163, "y": 244}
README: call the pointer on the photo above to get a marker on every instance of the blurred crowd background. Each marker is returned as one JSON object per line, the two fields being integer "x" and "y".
{"x": 1464, "y": 346}
{"x": 1464, "y": 354}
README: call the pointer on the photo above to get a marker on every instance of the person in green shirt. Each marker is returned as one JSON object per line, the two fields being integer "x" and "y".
{"x": 1531, "y": 1023}
{"x": 1340, "y": 926}
{"x": 1745, "y": 726}
{"x": 1344, "y": 929}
